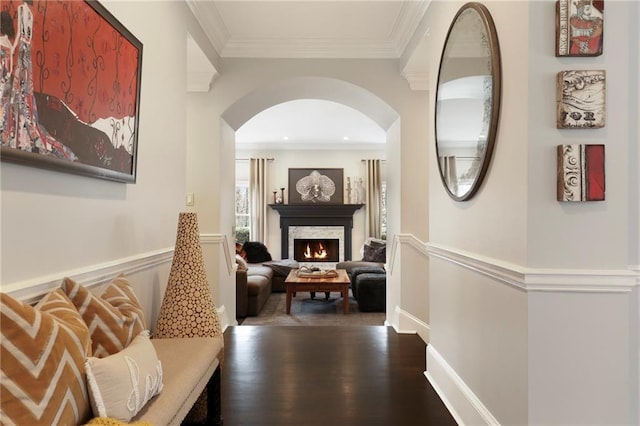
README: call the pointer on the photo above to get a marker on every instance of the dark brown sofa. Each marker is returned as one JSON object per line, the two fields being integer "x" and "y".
{"x": 253, "y": 288}
{"x": 255, "y": 284}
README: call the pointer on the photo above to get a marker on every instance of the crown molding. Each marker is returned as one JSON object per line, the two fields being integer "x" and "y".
{"x": 407, "y": 22}
{"x": 211, "y": 22}
{"x": 200, "y": 81}
{"x": 417, "y": 80}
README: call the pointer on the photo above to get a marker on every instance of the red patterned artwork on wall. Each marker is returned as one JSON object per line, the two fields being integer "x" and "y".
{"x": 70, "y": 88}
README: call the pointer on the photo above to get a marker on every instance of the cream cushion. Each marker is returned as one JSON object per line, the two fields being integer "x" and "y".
{"x": 121, "y": 384}
{"x": 187, "y": 364}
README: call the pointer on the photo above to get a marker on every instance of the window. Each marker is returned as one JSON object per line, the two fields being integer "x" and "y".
{"x": 243, "y": 222}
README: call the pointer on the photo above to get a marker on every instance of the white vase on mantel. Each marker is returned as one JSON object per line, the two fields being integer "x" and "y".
{"x": 359, "y": 193}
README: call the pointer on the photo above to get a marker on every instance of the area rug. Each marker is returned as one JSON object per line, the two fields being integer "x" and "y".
{"x": 313, "y": 312}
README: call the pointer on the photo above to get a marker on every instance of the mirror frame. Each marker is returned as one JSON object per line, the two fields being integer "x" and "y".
{"x": 496, "y": 73}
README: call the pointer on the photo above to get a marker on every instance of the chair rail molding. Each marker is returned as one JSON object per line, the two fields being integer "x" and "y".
{"x": 540, "y": 279}
{"x": 222, "y": 240}
{"x": 414, "y": 242}
{"x": 30, "y": 291}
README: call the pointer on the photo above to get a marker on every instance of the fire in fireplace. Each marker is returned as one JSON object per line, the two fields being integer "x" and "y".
{"x": 316, "y": 249}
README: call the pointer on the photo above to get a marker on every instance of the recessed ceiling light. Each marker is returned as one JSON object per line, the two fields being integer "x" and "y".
{"x": 286, "y": 138}
{"x": 346, "y": 138}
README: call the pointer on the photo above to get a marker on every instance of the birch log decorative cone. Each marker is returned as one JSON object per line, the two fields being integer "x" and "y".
{"x": 187, "y": 308}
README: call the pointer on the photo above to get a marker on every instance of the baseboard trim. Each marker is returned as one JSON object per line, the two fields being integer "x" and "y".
{"x": 30, "y": 291}
{"x": 223, "y": 317}
{"x": 439, "y": 369}
{"x": 410, "y": 324}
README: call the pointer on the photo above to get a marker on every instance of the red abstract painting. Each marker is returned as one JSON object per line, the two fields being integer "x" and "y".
{"x": 70, "y": 88}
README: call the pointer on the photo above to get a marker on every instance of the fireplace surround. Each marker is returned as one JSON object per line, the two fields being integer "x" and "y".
{"x": 315, "y": 215}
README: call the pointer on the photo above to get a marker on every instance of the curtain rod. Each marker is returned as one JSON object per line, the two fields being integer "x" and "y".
{"x": 382, "y": 161}
{"x": 247, "y": 159}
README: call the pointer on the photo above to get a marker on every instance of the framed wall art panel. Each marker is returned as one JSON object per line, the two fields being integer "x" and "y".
{"x": 581, "y": 172}
{"x": 579, "y": 27}
{"x": 319, "y": 186}
{"x": 71, "y": 75}
{"x": 581, "y": 97}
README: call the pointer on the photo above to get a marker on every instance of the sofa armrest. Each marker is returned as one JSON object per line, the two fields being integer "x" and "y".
{"x": 242, "y": 294}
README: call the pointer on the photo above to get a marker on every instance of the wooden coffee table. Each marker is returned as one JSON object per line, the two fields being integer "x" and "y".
{"x": 294, "y": 284}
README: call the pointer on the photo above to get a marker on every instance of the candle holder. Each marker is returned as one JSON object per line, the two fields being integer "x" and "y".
{"x": 275, "y": 199}
{"x": 282, "y": 195}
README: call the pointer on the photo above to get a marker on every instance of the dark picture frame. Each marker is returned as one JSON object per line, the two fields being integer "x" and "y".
{"x": 73, "y": 97}
{"x": 316, "y": 186}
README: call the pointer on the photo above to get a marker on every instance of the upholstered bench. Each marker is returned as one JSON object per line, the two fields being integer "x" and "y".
{"x": 188, "y": 365}
{"x": 105, "y": 364}
{"x": 370, "y": 290}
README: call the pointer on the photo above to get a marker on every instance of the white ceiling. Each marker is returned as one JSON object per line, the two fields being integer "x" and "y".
{"x": 307, "y": 29}
{"x": 309, "y": 123}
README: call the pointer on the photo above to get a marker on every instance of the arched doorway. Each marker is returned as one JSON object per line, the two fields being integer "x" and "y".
{"x": 308, "y": 88}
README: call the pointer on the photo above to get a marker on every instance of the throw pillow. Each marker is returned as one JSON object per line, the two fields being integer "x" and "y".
{"x": 256, "y": 252}
{"x": 242, "y": 263}
{"x": 42, "y": 361}
{"x": 282, "y": 267}
{"x": 375, "y": 242}
{"x": 375, "y": 254}
{"x": 121, "y": 384}
{"x": 115, "y": 317}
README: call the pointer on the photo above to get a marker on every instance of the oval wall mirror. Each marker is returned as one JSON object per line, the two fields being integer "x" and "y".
{"x": 467, "y": 101}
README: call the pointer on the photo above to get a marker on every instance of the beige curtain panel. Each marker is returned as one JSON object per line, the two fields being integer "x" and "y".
{"x": 258, "y": 198}
{"x": 374, "y": 198}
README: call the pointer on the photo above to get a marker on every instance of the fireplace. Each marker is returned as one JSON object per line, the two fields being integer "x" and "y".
{"x": 316, "y": 249}
{"x": 316, "y": 215}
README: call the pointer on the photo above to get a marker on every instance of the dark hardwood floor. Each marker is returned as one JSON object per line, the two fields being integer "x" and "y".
{"x": 327, "y": 375}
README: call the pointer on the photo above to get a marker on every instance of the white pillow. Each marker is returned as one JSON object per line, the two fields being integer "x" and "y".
{"x": 121, "y": 384}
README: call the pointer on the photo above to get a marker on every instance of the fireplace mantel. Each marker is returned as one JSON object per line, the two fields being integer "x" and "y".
{"x": 315, "y": 215}
{"x": 316, "y": 210}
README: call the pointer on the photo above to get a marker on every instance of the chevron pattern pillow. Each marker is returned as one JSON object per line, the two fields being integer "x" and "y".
{"x": 42, "y": 359}
{"x": 114, "y": 318}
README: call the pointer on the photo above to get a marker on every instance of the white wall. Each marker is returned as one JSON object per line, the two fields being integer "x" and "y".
{"x": 557, "y": 233}
{"x": 582, "y": 340}
{"x": 57, "y": 224}
{"x": 478, "y": 323}
{"x": 533, "y": 315}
